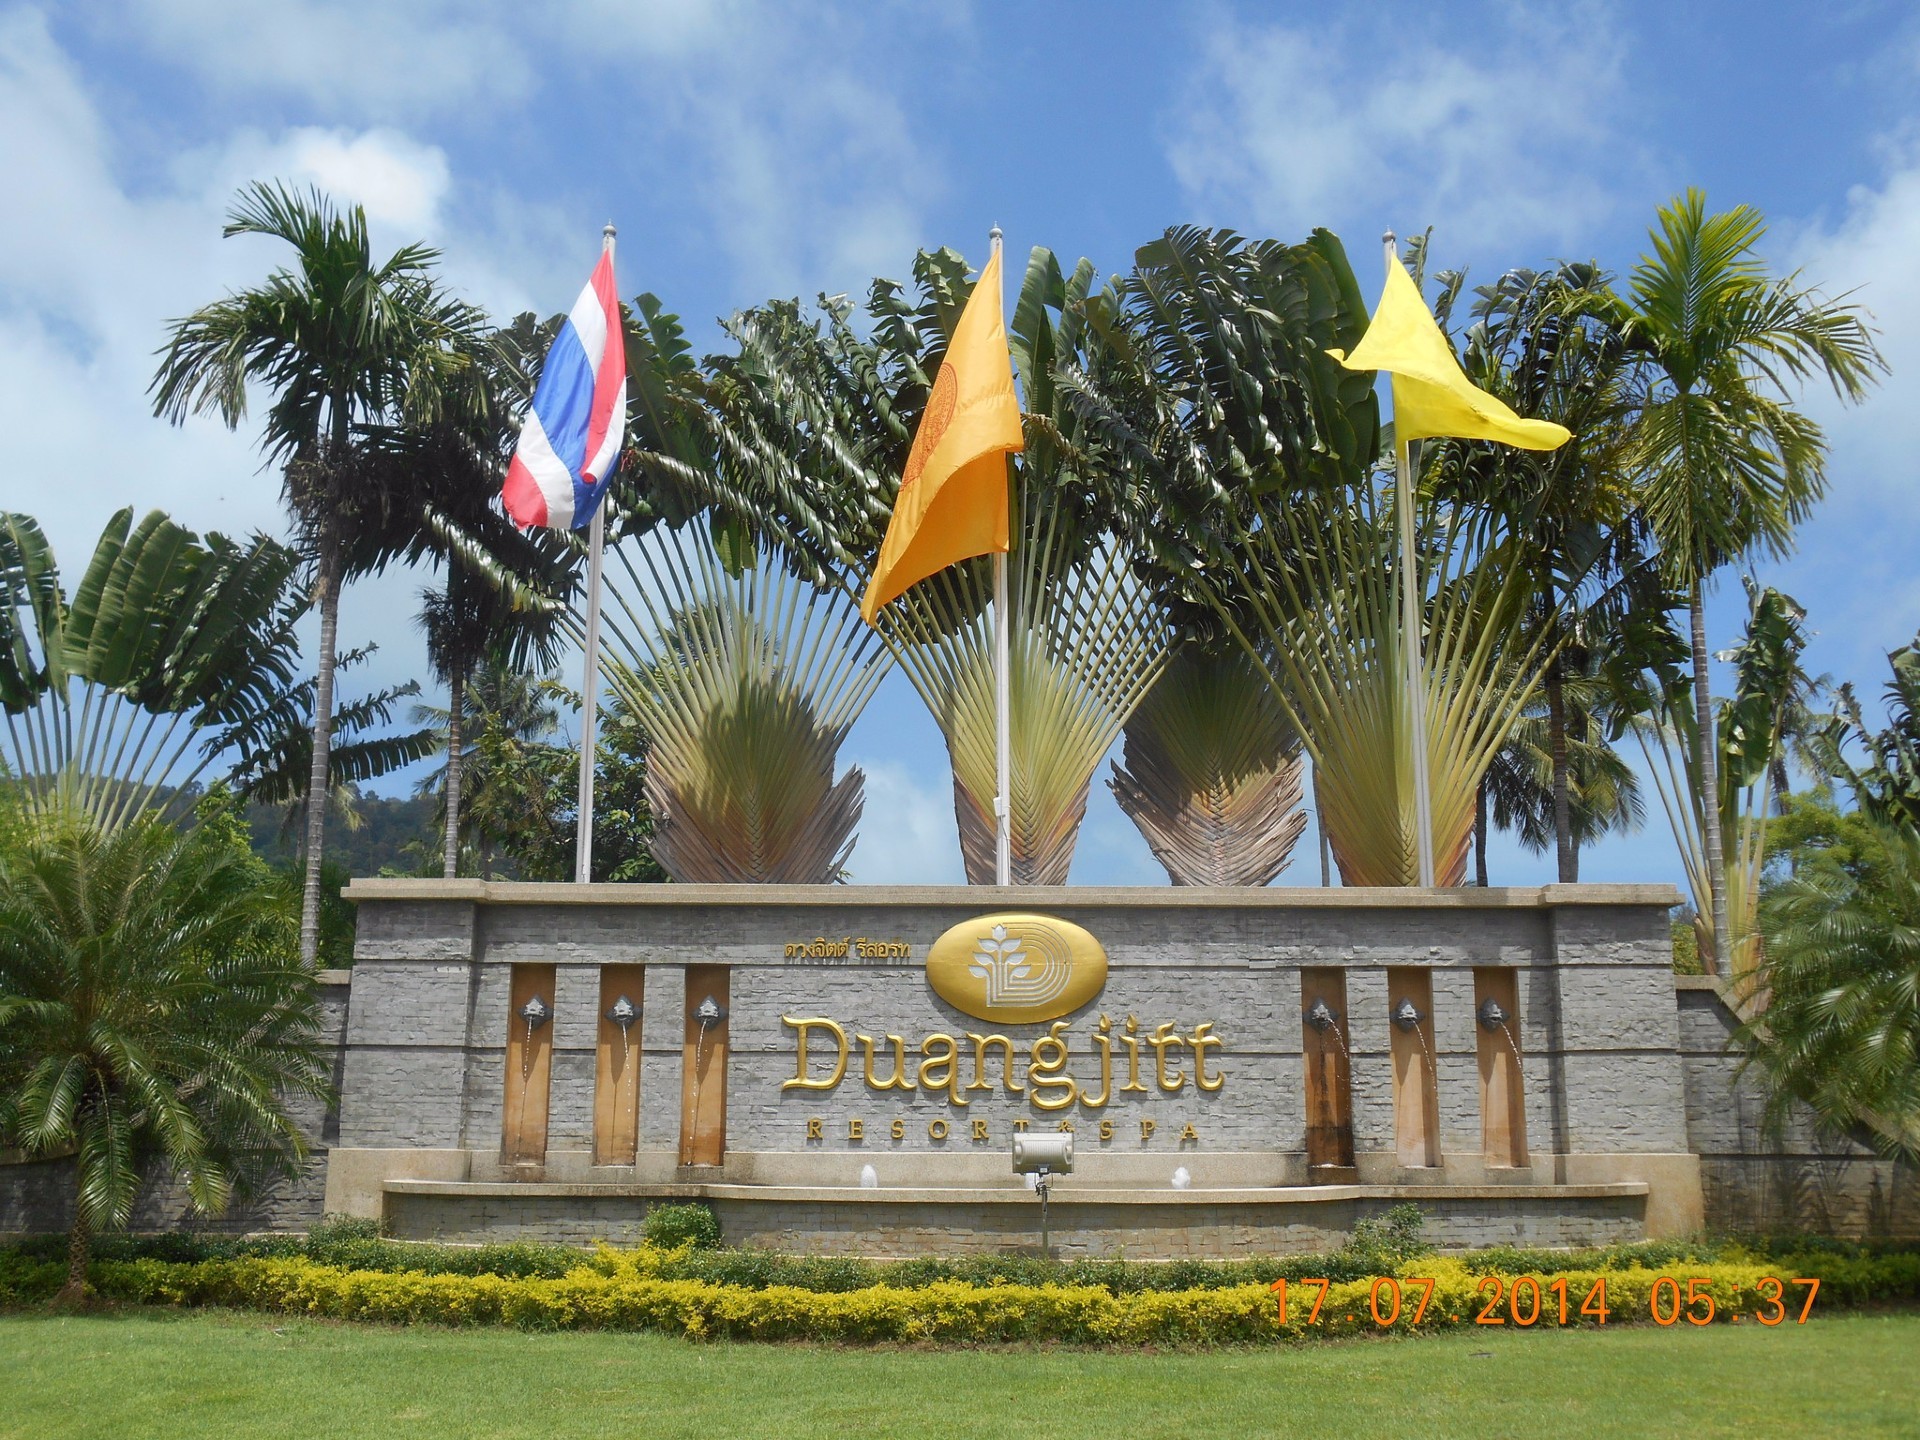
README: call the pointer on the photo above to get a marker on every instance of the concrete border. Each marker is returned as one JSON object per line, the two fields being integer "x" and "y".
{"x": 988, "y": 897}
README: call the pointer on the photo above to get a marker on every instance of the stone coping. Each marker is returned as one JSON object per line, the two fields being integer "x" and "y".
{"x": 980, "y": 897}
{"x": 1007, "y": 1195}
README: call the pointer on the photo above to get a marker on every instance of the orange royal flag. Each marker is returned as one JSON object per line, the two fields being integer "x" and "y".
{"x": 952, "y": 503}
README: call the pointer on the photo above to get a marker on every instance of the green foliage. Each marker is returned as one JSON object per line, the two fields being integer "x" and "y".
{"x": 520, "y": 784}
{"x": 747, "y": 680}
{"x": 150, "y": 1008}
{"x": 1382, "y": 1242}
{"x": 1840, "y": 1031}
{"x": 1211, "y": 772}
{"x": 1749, "y": 738}
{"x": 171, "y": 651}
{"x": 630, "y": 1292}
{"x": 670, "y": 1226}
{"x": 1888, "y": 784}
{"x": 1685, "y": 937}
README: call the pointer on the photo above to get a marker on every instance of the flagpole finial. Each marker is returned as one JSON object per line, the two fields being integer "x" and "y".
{"x": 1386, "y": 239}
{"x": 606, "y": 236}
{"x": 994, "y": 233}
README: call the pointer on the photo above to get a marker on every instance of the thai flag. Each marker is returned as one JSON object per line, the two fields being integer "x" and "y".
{"x": 570, "y": 440}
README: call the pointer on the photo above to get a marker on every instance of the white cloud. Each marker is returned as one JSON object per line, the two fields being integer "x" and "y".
{"x": 801, "y": 148}
{"x": 89, "y": 282}
{"x": 907, "y": 835}
{"x": 1868, "y": 254}
{"x": 387, "y": 60}
{"x": 1366, "y": 124}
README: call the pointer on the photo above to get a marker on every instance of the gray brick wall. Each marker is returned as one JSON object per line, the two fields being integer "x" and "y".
{"x": 1081, "y": 1227}
{"x": 1793, "y": 1178}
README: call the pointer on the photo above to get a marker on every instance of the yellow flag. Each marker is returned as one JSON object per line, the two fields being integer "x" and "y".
{"x": 952, "y": 503}
{"x": 1431, "y": 393}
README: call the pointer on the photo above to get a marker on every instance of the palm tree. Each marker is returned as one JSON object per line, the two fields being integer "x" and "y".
{"x": 342, "y": 342}
{"x": 1211, "y": 773}
{"x": 746, "y": 679}
{"x": 811, "y": 423}
{"x": 504, "y": 588}
{"x": 1534, "y": 343}
{"x": 171, "y": 652}
{"x": 1562, "y": 796}
{"x": 1726, "y": 466}
{"x": 149, "y": 1006}
{"x": 1840, "y": 1030}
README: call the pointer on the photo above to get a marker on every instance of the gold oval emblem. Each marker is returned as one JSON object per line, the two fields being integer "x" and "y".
{"x": 1016, "y": 968}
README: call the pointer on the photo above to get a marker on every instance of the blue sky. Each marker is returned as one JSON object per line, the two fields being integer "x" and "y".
{"x": 749, "y": 150}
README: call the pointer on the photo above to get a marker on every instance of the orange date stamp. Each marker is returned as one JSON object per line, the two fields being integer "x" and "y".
{"x": 1526, "y": 1300}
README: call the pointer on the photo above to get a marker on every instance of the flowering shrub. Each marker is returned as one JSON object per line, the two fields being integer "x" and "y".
{"x": 635, "y": 1290}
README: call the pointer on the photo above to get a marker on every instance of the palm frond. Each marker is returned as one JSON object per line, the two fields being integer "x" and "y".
{"x": 747, "y": 680}
{"x": 1212, "y": 773}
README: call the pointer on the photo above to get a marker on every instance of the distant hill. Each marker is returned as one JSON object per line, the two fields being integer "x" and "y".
{"x": 387, "y": 833}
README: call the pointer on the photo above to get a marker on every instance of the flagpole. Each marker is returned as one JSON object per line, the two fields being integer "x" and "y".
{"x": 1410, "y": 629}
{"x": 590, "y": 681}
{"x": 1002, "y": 699}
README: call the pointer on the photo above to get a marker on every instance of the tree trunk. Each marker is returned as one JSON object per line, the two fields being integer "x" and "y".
{"x": 328, "y": 585}
{"x": 79, "y": 1245}
{"x": 1707, "y": 747}
{"x": 456, "y": 697}
{"x": 1480, "y": 834}
{"x": 1568, "y": 869}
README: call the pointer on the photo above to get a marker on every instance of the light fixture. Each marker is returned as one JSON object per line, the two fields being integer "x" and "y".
{"x": 1322, "y": 1016}
{"x": 1040, "y": 1158}
{"x": 1408, "y": 1015}
{"x": 1491, "y": 1014}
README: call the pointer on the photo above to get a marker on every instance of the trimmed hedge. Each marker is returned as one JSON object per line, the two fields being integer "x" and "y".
{"x": 631, "y": 1291}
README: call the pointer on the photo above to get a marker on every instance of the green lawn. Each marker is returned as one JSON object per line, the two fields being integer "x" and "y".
{"x": 213, "y": 1374}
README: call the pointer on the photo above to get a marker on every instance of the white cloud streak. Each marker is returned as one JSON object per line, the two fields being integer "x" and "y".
{"x": 1510, "y": 138}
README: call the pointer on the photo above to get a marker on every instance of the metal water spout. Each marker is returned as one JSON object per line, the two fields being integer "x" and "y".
{"x": 623, "y": 1012}
{"x": 1322, "y": 1016}
{"x": 1408, "y": 1015}
{"x": 1491, "y": 1014}
{"x": 536, "y": 1012}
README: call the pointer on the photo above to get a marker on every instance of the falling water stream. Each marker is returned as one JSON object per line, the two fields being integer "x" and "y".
{"x": 1519, "y": 1064}
{"x": 699, "y": 1048}
{"x": 526, "y": 1072}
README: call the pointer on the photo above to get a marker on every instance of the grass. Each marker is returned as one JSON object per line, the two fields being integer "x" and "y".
{"x": 210, "y": 1374}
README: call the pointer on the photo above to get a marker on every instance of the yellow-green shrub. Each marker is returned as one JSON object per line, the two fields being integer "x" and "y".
{"x": 618, "y": 1290}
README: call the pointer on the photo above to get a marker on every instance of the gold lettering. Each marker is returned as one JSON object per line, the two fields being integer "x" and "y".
{"x": 1146, "y": 1130}
{"x": 1102, "y": 1039}
{"x": 937, "y": 1130}
{"x": 1019, "y": 1122}
{"x": 980, "y": 1044}
{"x": 1045, "y": 1075}
{"x": 1065, "y": 1125}
{"x": 1133, "y": 1057}
{"x": 801, "y": 1028}
{"x": 1106, "y": 1129}
{"x": 856, "y": 1129}
{"x": 900, "y": 1079}
{"x": 1163, "y": 1039}
{"x": 898, "y": 1130}
{"x": 1189, "y": 1133}
{"x": 979, "y": 1129}
{"x": 1201, "y": 1039}
{"x": 814, "y": 1123}
{"x": 941, "y": 1069}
